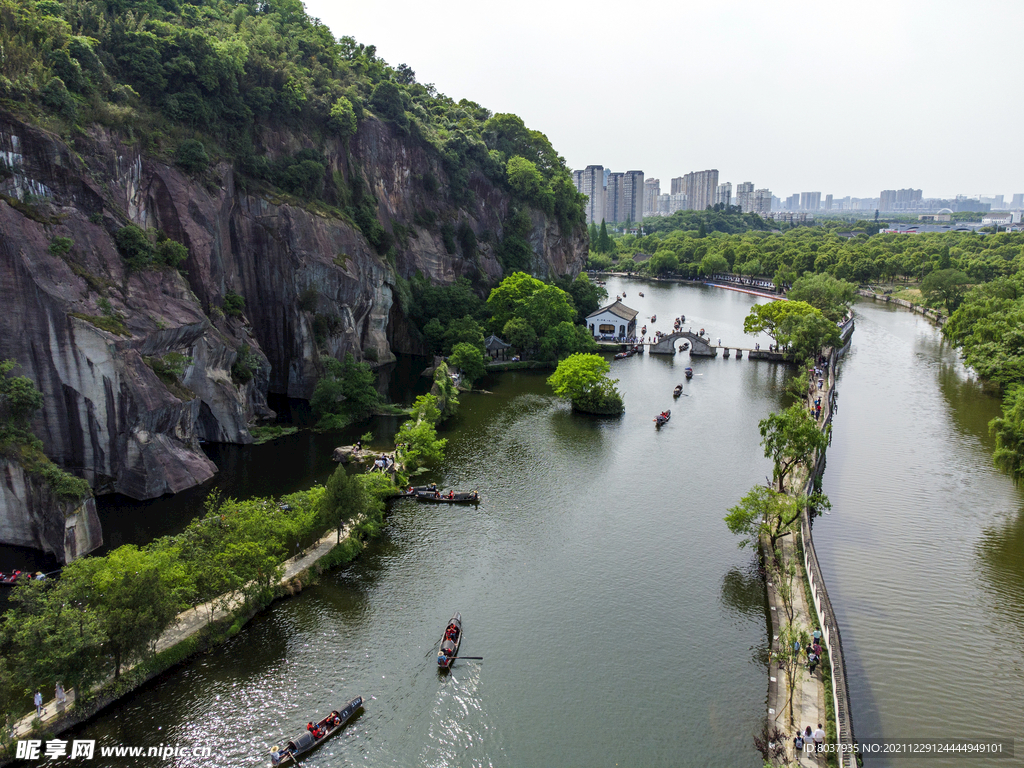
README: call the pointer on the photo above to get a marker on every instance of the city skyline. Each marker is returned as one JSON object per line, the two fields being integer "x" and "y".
{"x": 850, "y": 99}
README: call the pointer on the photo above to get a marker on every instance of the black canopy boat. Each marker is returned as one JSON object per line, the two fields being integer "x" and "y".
{"x": 688, "y": 373}
{"x": 452, "y": 497}
{"x": 654, "y": 318}
{"x": 677, "y": 391}
{"x": 641, "y": 294}
{"x": 662, "y": 418}
{"x": 684, "y": 346}
{"x": 450, "y": 642}
{"x": 321, "y": 732}
{"x": 415, "y": 490}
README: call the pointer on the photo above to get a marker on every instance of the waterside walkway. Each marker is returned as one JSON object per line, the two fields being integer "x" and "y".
{"x": 187, "y": 624}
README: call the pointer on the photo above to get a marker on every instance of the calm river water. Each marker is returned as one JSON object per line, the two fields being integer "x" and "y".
{"x": 923, "y": 554}
{"x": 619, "y": 623}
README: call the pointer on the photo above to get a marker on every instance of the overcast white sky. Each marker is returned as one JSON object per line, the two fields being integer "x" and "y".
{"x": 842, "y": 98}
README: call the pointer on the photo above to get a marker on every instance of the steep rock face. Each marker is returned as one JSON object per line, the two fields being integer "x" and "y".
{"x": 30, "y": 516}
{"x": 312, "y": 284}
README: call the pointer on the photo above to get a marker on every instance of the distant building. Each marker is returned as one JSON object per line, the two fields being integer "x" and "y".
{"x": 935, "y": 217}
{"x": 652, "y": 189}
{"x": 701, "y": 188}
{"x": 664, "y": 204}
{"x": 810, "y": 201}
{"x": 828, "y": 202}
{"x": 677, "y": 202}
{"x": 613, "y": 198}
{"x": 763, "y": 202}
{"x": 999, "y": 219}
{"x": 632, "y": 197}
{"x": 899, "y": 200}
{"x": 591, "y": 184}
{"x": 614, "y": 321}
{"x": 723, "y": 194}
{"x": 1018, "y": 200}
{"x": 678, "y": 185}
{"x": 792, "y": 203}
{"x": 745, "y": 196}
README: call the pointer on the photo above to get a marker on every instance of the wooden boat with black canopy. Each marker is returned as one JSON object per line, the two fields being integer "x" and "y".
{"x": 451, "y": 497}
{"x": 316, "y": 735}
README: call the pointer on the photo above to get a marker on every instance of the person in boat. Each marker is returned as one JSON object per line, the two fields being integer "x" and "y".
{"x": 437, "y": 494}
{"x": 310, "y": 727}
{"x": 475, "y": 495}
{"x": 451, "y": 493}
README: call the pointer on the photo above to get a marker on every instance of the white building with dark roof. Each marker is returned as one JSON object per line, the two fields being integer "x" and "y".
{"x": 616, "y": 321}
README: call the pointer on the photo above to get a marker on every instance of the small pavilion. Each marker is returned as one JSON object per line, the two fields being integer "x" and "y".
{"x": 495, "y": 347}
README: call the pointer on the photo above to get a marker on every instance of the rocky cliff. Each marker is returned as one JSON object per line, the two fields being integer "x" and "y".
{"x": 34, "y": 517}
{"x": 92, "y": 335}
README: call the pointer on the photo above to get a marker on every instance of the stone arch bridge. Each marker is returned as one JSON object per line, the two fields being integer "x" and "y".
{"x": 699, "y": 346}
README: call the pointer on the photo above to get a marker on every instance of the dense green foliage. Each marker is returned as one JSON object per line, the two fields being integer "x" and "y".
{"x": 583, "y": 380}
{"x": 346, "y": 392}
{"x": 469, "y": 360}
{"x": 832, "y": 250}
{"x": 417, "y": 443}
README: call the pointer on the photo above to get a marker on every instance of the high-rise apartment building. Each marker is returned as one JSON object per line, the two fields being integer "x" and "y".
{"x": 678, "y": 185}
{"x": 792, "y": 203}
{"x": 652, "y": 189}
{"x": 664, "y": 204}
{"x": 632, "y": 197}
{"x": 1018, "y": 200}
{"x": 701, "y": 187}
{"x": 613, "y": 198}
{"x": 590, "y": 182}
{"x": 745, "y": 196}
{"x": 810, "y": 201}
{"x": 762, "y": 202}
{"x": 677, "y": 202}
{"x": 828, "y": 202}
{"x": 723, "y": 194}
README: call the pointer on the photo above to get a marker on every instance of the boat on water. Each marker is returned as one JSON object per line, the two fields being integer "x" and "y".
{"x": 20, "y": 577}
{"x": 415, "y": 490}
{"x": 677, "y": 391}
{"x": 315, "y": 734}
{"x": 689, "y": 373}
{"x": 662, "y": 418}
{"x": 643, "y": 330}
{"x": 628, "y": 353}
{"x": 452, "y": 497}
{"x": 450, "y": 642}
{"x": 654, "y": 318}
{"x": 684, "y": 346}
{"x": 641, "y": 294}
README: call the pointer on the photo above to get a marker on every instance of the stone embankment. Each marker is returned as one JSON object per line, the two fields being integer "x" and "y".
{"x": 932, "y": 314}
{"x": 824, "y": 696}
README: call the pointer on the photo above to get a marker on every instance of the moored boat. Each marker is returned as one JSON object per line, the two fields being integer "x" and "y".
{"x": 654, "y": 318}
{"x": 415, "y": 490}
{"x": 662, "y": 418}
{"x": 452, "y": 497}
{"x": 315, "y": 735}
{"x": 677, "y": 391}
{"x": 450, "y": 642}
{"x": 689, "y": 373}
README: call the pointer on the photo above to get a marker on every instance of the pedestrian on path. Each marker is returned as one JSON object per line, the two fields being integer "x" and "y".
{"x": 62, "y": 698}
{"x": 798, "y": 744}
{"x": 819, "y": 738}
{"x": 38, "y": 700}
{"x": 812, "y": 662}
{"x": 816, "y": 634}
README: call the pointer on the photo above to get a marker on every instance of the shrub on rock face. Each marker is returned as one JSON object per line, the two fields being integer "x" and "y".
{"x": 191, "y": 156}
